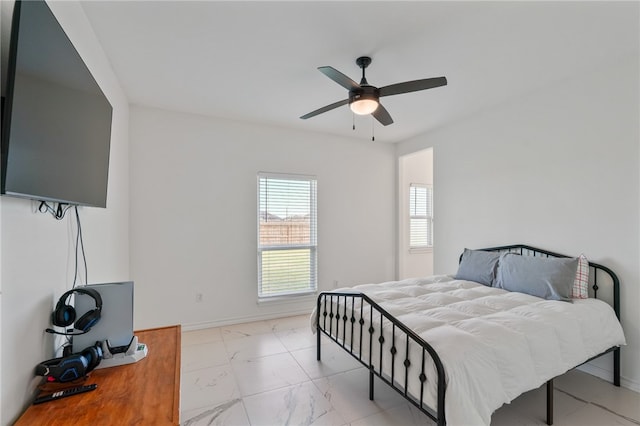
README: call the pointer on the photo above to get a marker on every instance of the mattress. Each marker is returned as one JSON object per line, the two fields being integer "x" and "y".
{"x": 494, "y": 344}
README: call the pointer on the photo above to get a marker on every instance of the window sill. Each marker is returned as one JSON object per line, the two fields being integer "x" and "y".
{"x": 288, "y": 298}
{"x": 418, "y": 250}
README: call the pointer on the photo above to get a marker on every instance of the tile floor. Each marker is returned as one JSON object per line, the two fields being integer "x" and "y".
{"x": 266, "y": 373}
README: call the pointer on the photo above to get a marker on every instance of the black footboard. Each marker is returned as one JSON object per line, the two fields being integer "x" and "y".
{"x": 388, "y": 348}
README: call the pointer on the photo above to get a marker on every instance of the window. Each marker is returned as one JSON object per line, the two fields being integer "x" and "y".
{"x": 287, "y": 242}
{"x": 420, "y": 216}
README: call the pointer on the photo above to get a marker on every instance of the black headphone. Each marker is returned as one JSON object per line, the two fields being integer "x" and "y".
{"x": 64, "y": 315}
{"x": 72, "y": 367}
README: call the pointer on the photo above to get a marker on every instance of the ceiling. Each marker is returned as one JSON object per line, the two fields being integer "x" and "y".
{"x": 257, "y": 61}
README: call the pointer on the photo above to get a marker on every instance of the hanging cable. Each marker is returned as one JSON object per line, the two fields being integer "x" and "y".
{"x": 57, "y": 212}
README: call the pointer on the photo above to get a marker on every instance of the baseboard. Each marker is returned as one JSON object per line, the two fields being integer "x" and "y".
{"x": 607, "y": 375}
{"x": 244, "y": 319}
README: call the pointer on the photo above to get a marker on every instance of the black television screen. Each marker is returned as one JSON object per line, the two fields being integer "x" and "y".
{"x": 56, "y": 126}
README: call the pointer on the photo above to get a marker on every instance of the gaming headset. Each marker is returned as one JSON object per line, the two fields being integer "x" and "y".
{"x": 64, "y": 315}
{"x": 72, "y": 367}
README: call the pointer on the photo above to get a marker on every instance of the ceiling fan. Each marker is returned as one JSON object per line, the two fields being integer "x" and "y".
{"x": 364, "y": 98}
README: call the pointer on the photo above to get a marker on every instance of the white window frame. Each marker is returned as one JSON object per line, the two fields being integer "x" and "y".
{"x": 312, "y": 245}
{"x": 428, "y": 217}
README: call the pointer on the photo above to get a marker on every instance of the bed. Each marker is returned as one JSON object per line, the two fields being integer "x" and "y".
{"x": 458, "y": 348}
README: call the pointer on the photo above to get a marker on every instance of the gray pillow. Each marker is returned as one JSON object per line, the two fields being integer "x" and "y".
{"x": 479, "y": 266}
{"x": 550, "y": 278}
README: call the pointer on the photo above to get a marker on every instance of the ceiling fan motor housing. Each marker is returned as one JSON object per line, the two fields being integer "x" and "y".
{"x": 364, "y": 92}
{"x": 364, "y": 99}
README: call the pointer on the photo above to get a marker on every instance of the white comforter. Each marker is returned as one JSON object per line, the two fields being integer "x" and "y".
{"x": 494, "y": 344}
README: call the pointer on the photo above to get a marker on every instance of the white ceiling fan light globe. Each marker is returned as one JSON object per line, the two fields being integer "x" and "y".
{"x": 364, "y": 106}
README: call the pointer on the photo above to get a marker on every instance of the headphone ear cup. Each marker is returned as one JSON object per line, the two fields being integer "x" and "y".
{"x": 88, "y": 320}
{"x": 93, "y": 355}
{"x": 64, "y": 315}
{"x": 63, "y": 369}
{"x": 43, "y": 367}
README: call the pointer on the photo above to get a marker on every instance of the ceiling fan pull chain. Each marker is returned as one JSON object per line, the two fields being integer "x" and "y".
{"x": 373, "y": 136}
{"x": 353, "y": 117}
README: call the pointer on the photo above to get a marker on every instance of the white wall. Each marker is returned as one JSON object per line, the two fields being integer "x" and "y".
{"x": 413, "y": 168}
{"x": 194, "y": 219}
{"x": 37, "y": 251}
{"x": 557, "y": 169}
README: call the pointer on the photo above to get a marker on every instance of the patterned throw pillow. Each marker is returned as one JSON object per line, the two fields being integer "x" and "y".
{"x": 580, "y": 289}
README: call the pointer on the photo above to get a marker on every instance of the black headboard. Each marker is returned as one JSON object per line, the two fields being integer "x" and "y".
{"x": 595, "y": 269}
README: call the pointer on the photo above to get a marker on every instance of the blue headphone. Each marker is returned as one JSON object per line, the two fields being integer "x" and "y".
{"x": 72, "y": 367}
{"x": 64, "y": 315}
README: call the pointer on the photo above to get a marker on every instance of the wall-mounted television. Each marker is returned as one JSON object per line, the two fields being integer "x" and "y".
{"x": 56, "y": 121}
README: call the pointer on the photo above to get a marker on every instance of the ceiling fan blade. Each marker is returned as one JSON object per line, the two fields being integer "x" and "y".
{"x": 325, "y": 109}
{"x": 339, "y": 78}
{"x": 412, "y": 86}
{"x": 382, "y": 115}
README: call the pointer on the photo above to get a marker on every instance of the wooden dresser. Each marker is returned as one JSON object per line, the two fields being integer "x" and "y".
{"x": 144, "y": 393}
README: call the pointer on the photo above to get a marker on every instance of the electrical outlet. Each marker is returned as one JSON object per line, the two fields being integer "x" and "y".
{"x": 198, "y": 297}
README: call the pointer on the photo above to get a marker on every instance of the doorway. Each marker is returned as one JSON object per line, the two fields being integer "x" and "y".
{"x": 415, "y": 213}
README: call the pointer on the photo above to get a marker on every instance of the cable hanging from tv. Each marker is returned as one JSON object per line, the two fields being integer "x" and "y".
{"x": 58, "y": 212}
{"x": 80, "y": 243}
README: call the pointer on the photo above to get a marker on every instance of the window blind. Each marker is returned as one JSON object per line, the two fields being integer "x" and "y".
{"x": 420, "y": 216}
{"x": 287, "y": 234}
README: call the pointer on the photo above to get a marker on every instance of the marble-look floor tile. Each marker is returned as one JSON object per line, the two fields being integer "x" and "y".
{"x": 195, "y": 357}
{"x": 405, "y": 415}
{"x": 244, "y": 330}
{"x": 206, "y": 335}
{"x": 531, "y": 408}
{"x": 301, "y": 404}
{"x": 267, "y": 373}
{"x": 289, "y": 323}
{"x": 297, "y": 338}
{"x": 229, "y": 413}
{"x": 334, "y": 360}
{"x": 348, "y": 393}
{"x": 254, "y": 346}
{"x": 592, "y": 415}
{"x": 597, "y": 391}
{"x": 208, "y": 387}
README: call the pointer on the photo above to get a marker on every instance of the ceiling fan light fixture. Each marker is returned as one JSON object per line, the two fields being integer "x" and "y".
{"x": 364, "y": 98}
{"x": 364, "y": 106}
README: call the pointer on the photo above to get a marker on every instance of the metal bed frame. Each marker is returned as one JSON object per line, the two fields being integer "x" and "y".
{"x": 341, "y": 325}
